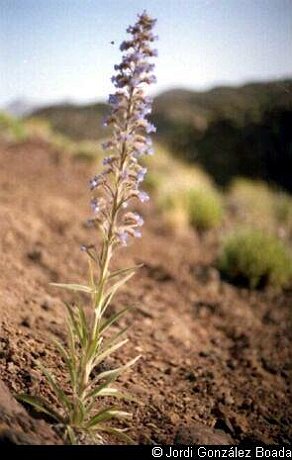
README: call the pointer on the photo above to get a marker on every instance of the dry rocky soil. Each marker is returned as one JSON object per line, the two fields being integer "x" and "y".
{"x": 215, "y": 357}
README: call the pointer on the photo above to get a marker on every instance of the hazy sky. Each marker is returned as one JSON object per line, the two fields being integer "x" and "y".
{"x": 52, "y": 50}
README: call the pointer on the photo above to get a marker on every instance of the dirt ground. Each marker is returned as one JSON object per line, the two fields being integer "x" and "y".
{"x": 214, "y": 355}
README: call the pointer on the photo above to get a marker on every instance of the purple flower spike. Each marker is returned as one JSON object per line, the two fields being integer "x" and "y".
{"x": 108, "y": 160}
{"x": 119, "y": 182}
{"x": 150, "y": 128}
{"x": 123, "y": 238}
{"x": 141, "y": 174}
{"x": 137, "y": 233}
{"x": 151, "y": 79}
{"x": 143, "y": 197}
{"x": 95, "y": 205}
{"x": 113, "y": 99}
{"x": 139, "y": 219}
{"x": 112, "y": 190}
{"x": 95, "y": 181}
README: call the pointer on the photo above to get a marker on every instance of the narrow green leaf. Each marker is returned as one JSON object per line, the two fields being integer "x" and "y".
{"x": 119, "y": 433}
{"x": 83, "y": 324}
{"x": 100, "y": 387}
{"x": 109, "y": 351}
{"x": 94, "y": 347}
{"x": 115, "y": 393}
{"x": 72, "y": 349}
{"x": 62, "y": 398}
{"x": 113, "y": 319}
{"x": 41, "y": 405}
{"x": 123, "y": 271}
{"x": 108, "y": 392}
{"x": 120, "y": 283}
{"x": 115, "y": 337}
{"x": 75, "y": 325}
{"x": 112, "y": 290}
{"x": 73, "y": 287}
{"x": 105, "y": 415}
{"x": 68, "y": 360}
{"x": 114, "y": 373}
{"x": 69, "y": 433}
{"x": 80, "y": 413}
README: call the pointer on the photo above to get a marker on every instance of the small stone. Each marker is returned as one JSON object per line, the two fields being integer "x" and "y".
{"x": 199, "y": 434}
{"x": 228, "y": 399}
{"x": 204, "y": 354}
{"x": 35, "y": 255}
{"x": 11, "y": 367}
{"x": 159, "y": 336}
{"x": 169, "y": 371}
{"x": 47, "y": 304}
{"x": 26, "y": 322}
{"x": 191, "y": 376}
{"x": 174, "y": 419}
{"x": 231, "y": 364}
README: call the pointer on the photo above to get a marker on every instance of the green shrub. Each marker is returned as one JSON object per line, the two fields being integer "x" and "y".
{"x": 11, "y": 128}
{"x": 255, "y": 258}
{"x": 205, "y": 209}
{"x": 152, "y": 182}
{"x": 252, "y": 203}
{"x": 283, "y": 209}
{"x": 257, "y": 204}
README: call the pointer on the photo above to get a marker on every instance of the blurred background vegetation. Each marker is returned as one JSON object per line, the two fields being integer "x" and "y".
{"x": 223, "y": 165}
{"x": 230, "y": 131}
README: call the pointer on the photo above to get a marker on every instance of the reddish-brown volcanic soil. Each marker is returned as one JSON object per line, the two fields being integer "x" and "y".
{"x": 212, "y": 353}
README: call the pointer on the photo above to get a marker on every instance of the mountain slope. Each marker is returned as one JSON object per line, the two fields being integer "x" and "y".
{"x": 229, "y": 130}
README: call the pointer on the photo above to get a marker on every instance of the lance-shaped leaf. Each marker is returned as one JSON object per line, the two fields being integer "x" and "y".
{"x": 118, "y": 432}
{"x": 62, "y": 398}
{"x": 112, "y": 319}
{"x": 115, "y": 393}
{"x": 41, "y": 405}
{"x": 112, "y": 290}
{"x": 107, "y": 352}
{"x": 70, "y": 363}
{"x": 75, "y": 326}
{"x": 79, "y": 412}
{"x": 73, "y": 287}
{"x": 124, "y": 271}
{"x": 83, "y": 323}
{"x": 94, "y": 347}
{"x": 70, "y": 435}
{"x": 105, "y": 415}
{"x": 73, "y": 353}
{"x": 109, "y": 342}
{"x": 114, "y": 373}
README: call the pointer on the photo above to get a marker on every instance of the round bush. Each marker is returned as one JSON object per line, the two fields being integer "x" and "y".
{"x": 255, "y": 258}
{"x": 205, "y": 209}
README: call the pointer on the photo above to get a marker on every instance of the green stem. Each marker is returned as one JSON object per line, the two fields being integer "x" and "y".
{"x": 86, "y": 363}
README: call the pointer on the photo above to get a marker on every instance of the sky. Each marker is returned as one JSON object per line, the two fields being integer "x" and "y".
{"x": 60, "y": 50}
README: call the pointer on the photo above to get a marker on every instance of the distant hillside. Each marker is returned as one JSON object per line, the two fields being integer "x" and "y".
{"x": 75, "y": 121}
{"x": 229, "y": 130}
{"x": 20, "y": 108}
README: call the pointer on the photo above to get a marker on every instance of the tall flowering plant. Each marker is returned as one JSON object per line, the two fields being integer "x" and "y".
{"x": 113, "y": 190}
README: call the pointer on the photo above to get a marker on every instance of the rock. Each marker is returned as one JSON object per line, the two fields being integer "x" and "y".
{"x": 47, "y": 304}
{"x": 27, "y": 322}
{"x": 159, "y": 336}
{"x": 228, "y": 399}
{"x": 199, "y": 434}
{"x": 18, "y": 427}
{"x": 35, "y": 255}
{"x": 174, "y": 418}
{"x": 10, "y": 436}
